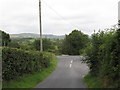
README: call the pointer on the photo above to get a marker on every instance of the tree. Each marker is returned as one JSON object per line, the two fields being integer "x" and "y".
{"x": 14, "y": 45}
{"x": 4, "y": 38}
{"x": 47, "y": 44}
{"x": 103, "y": 56}
{"x": 74, "y": 43}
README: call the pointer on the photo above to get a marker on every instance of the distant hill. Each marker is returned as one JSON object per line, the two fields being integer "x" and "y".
{"x": 32, "y": 35}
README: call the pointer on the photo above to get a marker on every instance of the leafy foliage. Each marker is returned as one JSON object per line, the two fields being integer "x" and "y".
{"x": 17, "y": 62}
{"x": 47, "y": 44}
{"x": 27, "y": 45}
{"x": 13, "y": 44}
{"x": 104, "y": 56}
{"x": 21, "y": 40}
{"x": 74, "y": 43}
{"x": 4, "y": 38}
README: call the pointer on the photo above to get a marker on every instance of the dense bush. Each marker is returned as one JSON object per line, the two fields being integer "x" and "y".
{"x": 18, "y": 62}
{"x": 4, "y": 38}
{"x": 47, "y": 44}
{"x": 74, "y": 43}
{"x": 13, "y": 44}
{"x": 104, "y": 56}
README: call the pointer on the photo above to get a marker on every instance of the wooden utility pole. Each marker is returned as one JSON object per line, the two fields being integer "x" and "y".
{"x": 41, "y": 45}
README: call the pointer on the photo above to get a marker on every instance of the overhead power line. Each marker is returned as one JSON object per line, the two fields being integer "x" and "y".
{"x": 87, "y": 26}
{"x": 58, "y": 14}
{"x": 65, "y": 20}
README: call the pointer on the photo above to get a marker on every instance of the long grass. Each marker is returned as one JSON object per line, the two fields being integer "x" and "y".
{"x": 31, "y": 80}
{"x": 93, "y": 82}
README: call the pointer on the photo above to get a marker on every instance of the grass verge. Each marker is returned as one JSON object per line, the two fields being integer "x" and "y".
{"x": 93, "y": 82}
{"x": 30, "y": 81}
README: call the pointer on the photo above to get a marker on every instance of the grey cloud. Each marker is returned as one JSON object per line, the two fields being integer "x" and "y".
{"x": 22, "y": 15}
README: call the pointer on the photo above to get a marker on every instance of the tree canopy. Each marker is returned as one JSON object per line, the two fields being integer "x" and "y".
{"x": 74, "y": 43}
{"x": 47, "y": 44}
{"x": 4, "y": 38}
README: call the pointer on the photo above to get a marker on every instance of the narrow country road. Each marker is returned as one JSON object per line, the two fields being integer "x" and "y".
{"x": 68, "y": 74}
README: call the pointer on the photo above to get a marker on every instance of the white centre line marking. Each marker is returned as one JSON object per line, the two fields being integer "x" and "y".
{"x": 71, "y": 61}
{"x": 70, "y": 65}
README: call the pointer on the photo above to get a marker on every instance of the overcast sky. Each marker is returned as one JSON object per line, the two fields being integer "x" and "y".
{"x": 59, "y": 17}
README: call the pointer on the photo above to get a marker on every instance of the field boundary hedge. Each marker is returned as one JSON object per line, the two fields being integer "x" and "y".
{"x": 17, "y": 62}
{"x": 104, "y": 57}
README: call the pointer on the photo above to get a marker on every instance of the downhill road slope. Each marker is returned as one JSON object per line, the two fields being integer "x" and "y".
{"x": 68, "y": 74}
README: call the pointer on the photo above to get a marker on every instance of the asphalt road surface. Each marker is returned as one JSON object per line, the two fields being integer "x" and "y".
{"x": 68, "y": 74}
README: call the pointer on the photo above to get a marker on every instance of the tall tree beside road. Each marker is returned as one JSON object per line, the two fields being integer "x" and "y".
{"x": 74, "y": 43}
{"x": 5, "y": 38}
